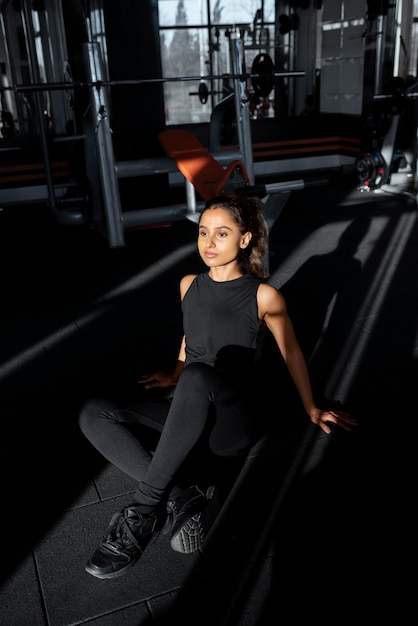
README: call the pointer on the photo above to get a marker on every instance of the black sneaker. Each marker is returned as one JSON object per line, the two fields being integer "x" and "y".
{"x": 191, "y": 514}
{"x": 127, "y": 537}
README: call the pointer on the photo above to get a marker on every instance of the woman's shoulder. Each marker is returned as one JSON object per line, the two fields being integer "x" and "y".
{"x": 185, "y": 283}
{"x": 188, "y": 279}
{"x": 269, "y": 294}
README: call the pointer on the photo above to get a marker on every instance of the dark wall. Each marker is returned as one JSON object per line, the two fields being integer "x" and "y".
{"x": 134, "y": 53}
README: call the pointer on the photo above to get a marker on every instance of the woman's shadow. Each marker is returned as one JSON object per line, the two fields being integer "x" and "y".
{"x": 322, "y": 301}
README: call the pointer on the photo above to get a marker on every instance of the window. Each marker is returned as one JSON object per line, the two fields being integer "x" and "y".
{"x": 342, "y": 57}
{"x": 413, "y": 50}
{"x": 194, "y": 41}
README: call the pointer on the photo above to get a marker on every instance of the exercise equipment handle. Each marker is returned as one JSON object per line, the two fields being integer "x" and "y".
{"x": 288, "y": 185}
{"x": 316, "y": 182}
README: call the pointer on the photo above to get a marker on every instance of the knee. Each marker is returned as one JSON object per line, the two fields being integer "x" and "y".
{"x": 196, "y": 373}
{"x": 91, "y": 413}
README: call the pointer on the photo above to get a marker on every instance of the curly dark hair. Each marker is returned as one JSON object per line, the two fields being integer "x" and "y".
{"x": 248, "y": 213}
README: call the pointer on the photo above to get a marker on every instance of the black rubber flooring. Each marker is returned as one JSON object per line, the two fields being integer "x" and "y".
{"x": 315, "y": 528}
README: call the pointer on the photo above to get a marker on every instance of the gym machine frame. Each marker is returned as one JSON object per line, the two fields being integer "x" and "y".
{"x": 107, "y": 211}
{"x": 110, "y": 170}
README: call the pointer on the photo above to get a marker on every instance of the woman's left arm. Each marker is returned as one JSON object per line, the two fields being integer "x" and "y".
{"x": 273, "y": 310}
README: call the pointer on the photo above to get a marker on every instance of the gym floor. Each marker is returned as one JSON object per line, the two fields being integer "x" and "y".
{"x": 314, "y": 527}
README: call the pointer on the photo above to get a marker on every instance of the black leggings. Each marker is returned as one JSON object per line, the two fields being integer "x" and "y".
{"x": 205, "y": 411}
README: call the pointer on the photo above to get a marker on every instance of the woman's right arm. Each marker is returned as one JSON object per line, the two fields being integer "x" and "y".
{"x": 163, "y": 379}
{"x": 180, "y": 362}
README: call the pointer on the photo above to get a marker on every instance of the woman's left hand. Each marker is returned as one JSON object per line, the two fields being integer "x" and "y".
{"x": 323, "y": 419}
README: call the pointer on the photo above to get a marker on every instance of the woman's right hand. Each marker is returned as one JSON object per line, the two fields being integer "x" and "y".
{"x": 158, "y": 379}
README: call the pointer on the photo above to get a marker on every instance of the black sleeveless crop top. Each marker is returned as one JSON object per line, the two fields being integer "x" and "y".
{"x": 220, "y": 321}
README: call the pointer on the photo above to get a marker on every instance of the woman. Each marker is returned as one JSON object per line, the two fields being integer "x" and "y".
{"x": 211, "y": 410}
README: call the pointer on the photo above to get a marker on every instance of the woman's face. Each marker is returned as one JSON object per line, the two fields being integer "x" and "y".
{"x": 220, "y": 240}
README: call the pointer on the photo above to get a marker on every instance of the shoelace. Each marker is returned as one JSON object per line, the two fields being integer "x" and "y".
{"x": 122, "y": 531}
{"x": 169, "y": 522}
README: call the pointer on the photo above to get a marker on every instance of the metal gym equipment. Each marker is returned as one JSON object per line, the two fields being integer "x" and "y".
{"x": 390, "y": 169}
{"x": 107, "y": 212}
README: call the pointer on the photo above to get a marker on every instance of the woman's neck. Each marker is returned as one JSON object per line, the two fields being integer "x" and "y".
{"x": 224, "y": 273}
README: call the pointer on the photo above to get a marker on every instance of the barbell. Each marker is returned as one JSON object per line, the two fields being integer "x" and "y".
{"x": 262, "y": 77}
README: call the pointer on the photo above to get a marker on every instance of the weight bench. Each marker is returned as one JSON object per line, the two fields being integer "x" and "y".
{"x": 200, "y": 168}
